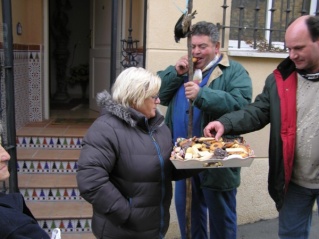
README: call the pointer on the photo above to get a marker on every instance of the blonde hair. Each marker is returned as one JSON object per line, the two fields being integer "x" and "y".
{"x": 134, "y": 85}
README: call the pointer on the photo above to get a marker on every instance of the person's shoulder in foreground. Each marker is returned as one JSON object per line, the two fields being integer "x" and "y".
{"x": 16, "y": 220}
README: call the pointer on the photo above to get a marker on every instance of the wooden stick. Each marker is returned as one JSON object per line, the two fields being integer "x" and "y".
{"x": 190, "y": 129}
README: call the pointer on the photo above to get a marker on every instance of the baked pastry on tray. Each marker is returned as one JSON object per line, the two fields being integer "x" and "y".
{"x": 209, "y": 148}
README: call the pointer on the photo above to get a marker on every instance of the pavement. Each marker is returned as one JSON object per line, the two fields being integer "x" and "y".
{"x": 267, "y": 229}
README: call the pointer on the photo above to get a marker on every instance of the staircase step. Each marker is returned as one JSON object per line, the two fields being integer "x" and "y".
{"x": 60, "y": 210}
{"x": 51, "y": 136}
{"x": 49, "y": 129}
{"x": 71, "y": 142}
{"x": 47, "y": 160}
{"x": 46, "y": 180}
{"x": 80, "y": 235}
{"x": 69, "y": 216}
{"x": 31, "y": 166}
{"x": 50, "y": 187}
{"x": 48, "y": 135}
{"x": 47, "y": 154}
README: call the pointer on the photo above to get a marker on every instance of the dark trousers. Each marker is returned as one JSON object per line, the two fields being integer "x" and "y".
{"x": 221, "y": 206}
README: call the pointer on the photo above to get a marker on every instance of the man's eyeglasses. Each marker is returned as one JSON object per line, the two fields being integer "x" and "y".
{"x": 155, "y": 97}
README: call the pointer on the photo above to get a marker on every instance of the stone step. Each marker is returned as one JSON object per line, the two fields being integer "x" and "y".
{"x": 69, "y": 216}
{"x": 77, "y": 235}
{"x": 51, "y": 129}
{"x": 39, "y": 160}
{"x": 42, "y": 210}
{"x": 49, "y": 142}
{"x": 46, "y": 180}
{"x": 32, "y": 166}
{"x": 47, "y": 155}
{"x": 48, "y": 186}
{"x": 51, "y": 135}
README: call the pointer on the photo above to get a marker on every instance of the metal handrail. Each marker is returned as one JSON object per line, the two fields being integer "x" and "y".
{"x": 9, "y": 89}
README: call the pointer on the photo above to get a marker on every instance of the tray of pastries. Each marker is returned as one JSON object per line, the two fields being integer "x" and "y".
{"x": 206, "y": 152}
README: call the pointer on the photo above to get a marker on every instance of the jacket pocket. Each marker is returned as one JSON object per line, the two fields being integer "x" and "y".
{"x": 221, "y": 179}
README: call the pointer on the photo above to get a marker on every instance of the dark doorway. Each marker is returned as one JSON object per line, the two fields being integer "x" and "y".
{"x": 69, "y": 43}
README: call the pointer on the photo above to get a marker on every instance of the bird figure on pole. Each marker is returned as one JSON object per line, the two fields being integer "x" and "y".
{"x": 182, "y": 27}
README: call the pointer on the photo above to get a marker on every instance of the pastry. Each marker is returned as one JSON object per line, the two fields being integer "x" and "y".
{"x": 209, "y": 148}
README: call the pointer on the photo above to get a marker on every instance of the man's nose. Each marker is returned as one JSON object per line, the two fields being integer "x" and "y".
{"x": 292, "y": 54}
{"x": 195, "y": 50}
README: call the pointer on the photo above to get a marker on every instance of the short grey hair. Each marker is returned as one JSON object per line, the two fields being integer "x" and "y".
{"x": 207, "y": 29}
{"x": 134, "y": 85}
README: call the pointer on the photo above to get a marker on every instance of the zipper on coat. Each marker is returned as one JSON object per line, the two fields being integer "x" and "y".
{"x": 163, "y": 183}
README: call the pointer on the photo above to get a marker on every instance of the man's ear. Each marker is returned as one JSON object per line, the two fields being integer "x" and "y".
{"x": 217, "y": 47}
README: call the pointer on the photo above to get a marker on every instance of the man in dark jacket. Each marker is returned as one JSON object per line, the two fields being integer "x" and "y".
{"x": 16, "y": 220}
{"x": 290, "y": 103}
{"x": 220, "y": 85}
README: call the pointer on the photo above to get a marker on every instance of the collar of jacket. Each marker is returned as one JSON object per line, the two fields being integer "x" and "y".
{"x": 107, "y": 105}
{"x": 129, "y": 115}
{"x": 286, "y": 67}
{"x": 146, "y": 124}
{"x": 217, "y": 72}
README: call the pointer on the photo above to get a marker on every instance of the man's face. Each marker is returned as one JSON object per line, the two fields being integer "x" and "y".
{"x": 204, "y": 50}
{"x": 302, "y": 50}
{"x": 4, "y": 158}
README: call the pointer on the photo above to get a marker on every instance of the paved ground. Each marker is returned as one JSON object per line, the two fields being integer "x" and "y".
{"x": 268, "y": 229}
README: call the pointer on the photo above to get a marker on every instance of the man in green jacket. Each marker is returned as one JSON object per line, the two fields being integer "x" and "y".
{"x": 290, "y": 103}
{"x": 220, "y": 85}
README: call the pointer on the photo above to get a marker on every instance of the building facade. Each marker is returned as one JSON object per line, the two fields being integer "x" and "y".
{"x": 152, "y": 24}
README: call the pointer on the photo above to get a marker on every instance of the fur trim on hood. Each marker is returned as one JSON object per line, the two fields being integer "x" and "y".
{"x": 107, "y": 104}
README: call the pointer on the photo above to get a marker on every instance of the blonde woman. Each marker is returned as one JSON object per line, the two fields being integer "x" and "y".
{"x": 124, "y": 169}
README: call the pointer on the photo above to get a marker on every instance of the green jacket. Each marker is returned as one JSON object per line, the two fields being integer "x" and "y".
{"x": 229, "y": 88}
{"x": 276, "y": 105}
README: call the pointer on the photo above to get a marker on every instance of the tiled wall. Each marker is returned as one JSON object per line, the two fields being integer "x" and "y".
{"x": 35, "y": 85}
{"x": 27, "y": 84}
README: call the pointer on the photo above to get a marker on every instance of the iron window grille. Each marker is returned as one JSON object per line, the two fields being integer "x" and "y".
{"x": 260, "y": 25}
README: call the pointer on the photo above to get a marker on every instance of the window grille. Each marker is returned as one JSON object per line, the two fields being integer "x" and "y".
{"x": 260, "y": 24}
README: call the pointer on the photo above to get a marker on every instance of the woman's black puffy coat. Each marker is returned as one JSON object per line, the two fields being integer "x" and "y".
{"x": 124, "y": 171}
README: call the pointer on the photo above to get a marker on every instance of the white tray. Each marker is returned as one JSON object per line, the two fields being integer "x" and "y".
{"x": 232, "y": 161}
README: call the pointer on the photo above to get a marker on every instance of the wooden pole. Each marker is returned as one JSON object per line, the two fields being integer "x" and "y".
{"x": 190, "y": 127}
